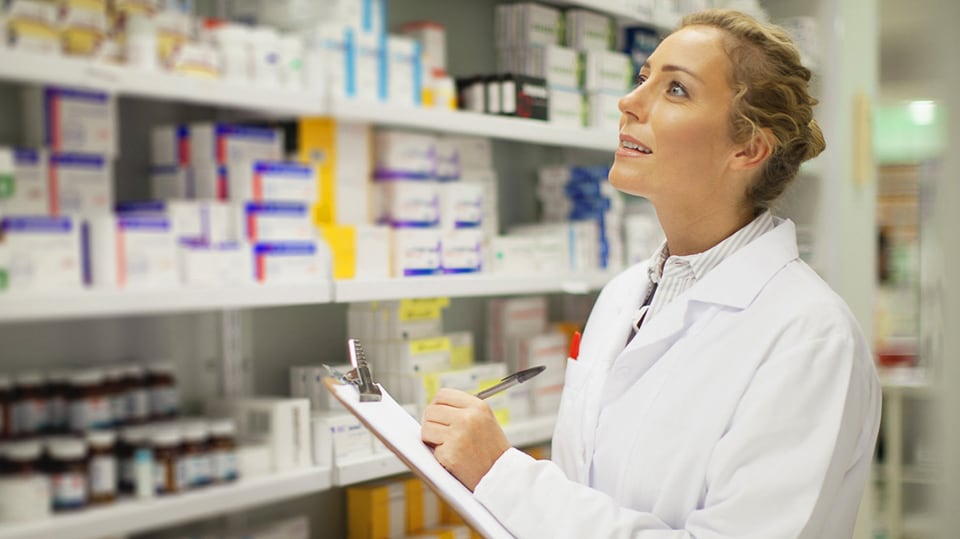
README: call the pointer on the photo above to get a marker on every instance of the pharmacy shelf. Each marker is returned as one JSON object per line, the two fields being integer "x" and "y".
{"x": 125, "y": 81}
{"x": 618, "y": 9}
{"x": 906, "y": 380}
{"x": 134, "y": 516}
{"x": 29, "y": 306}
{"x": 472, "y": 123}
{"x": 483, "y": 284}
{"x": 358, "y": 470}
{"x": 520, "y": 433}
{"x": 43, "y": 305}
{"x": 920, "y": 475}
{"x": 215, "y": 92}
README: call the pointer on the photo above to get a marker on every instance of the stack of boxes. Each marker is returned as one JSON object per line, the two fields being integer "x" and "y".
{"x": 581, "y": 228}
{"x": 403, "y": 508}
{"x": 347, "y": 41}
{"x": 249, "y": 210}
{"x": 413, "y": 357}
{"x": 518, "y": 335}
{"x": 582, "y": 194}
{"x": 437, "y": 218}
{"x": 572, "y": 52}
{"x": 50, "y": 188}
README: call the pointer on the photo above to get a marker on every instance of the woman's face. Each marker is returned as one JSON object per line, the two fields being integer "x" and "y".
{"x": 674, "y": 126}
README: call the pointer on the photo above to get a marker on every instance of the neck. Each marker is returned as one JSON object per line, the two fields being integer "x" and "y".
{"x": 695, "y": 232}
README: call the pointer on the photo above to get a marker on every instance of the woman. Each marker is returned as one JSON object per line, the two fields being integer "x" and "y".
{"x": 742, "y": 400}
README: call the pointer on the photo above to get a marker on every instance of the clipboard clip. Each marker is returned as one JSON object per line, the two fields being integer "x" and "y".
{"x": 359, "y": 375}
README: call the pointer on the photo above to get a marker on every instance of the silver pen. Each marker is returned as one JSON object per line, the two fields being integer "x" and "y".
{"x": 506, "y": 383}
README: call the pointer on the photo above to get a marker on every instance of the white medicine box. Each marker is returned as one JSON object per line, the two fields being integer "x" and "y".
{"x": 607, "y": 71}
{"x": 44, "y": 253}
{"x": 274, "y": 221}
{"x": 132, "y": 251}
{"x": 30, "y": 190}
{"x": 70, "y": 120}
{"x": 404, "y": 71}
{"x": 291, "y": 262}
{"x": 261, "y": 180}
{"x": 80, "y": 183}
{"x": 217, "y": 143}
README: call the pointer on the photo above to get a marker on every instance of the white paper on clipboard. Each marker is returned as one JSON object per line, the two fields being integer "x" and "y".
{"x": 400, "y": 432}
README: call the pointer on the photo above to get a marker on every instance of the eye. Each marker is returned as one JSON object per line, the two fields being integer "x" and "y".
{"x": 677, "y": 90}
{"x": 641, "y": 78}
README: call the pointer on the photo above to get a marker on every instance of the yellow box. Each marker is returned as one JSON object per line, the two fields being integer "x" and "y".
{"x": 423, "y": 506}
{"x": 341, "y": 153}
{"x": 84, "y": 28}
{"x": 343, "y": 246}
{"x": 444, "y": 532}
{"x": 376, "y": 510}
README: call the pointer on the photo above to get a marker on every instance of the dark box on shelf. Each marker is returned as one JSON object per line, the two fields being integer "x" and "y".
{"x": 525, "y": 97}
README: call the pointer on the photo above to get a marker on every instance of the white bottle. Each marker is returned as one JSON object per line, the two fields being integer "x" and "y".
{"x": 141, "y": 43}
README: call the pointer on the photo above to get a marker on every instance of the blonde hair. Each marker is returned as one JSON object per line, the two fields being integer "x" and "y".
{"x": 771, "y": 92}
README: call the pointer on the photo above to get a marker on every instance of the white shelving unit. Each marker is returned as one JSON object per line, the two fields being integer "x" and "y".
{"x": 20, "y": 307}
{"x": 468, "y": 286}
{"x": 899, "y": 385}
{"x": 38, "y": 306}
{"x": 138, "y": 516}
{"x": 521, "y": 434}
{"x": 124, "y": 81}
{"x": 472, "y": 123}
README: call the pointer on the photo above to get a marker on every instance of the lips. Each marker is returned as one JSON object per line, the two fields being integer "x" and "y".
{"x": 632, "y": 145}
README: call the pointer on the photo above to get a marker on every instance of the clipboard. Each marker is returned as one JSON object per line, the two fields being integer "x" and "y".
{"x": 400, "y": 433}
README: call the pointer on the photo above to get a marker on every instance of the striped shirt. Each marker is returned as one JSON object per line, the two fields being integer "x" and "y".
{"x": 673, "y": 275}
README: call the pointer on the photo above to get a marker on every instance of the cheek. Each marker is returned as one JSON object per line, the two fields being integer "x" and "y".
{"x": 689, "y": 144}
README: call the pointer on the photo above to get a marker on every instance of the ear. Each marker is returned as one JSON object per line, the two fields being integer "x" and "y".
{"x": 754, "y": 152}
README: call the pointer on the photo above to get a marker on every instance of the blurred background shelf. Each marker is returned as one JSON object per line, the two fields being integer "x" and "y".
{"x": 124, "y": 81}
{"x": 521, "y": 433}
{"x": 471, "y": 123}
{"x": 137, "y": 516}
{"x": 467, "y": 286}
{"x": 21, "y": 307}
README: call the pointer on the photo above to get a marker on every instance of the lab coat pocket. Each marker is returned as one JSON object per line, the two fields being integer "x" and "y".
{"x": 574, "y": 380}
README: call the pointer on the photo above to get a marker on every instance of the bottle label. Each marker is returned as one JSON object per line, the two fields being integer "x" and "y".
{"x": 161, "y": 470}
{"x": 59, "y": 418}
{"x": 127, "y": 474}
{"x": 69, "y": 490}
{"x": 118, "y": 409}
{"x": 200, "y": 469}
{"x": 103, "y": 475}
{"x": 160, "y": 476}
{"x": 182, "y": 477}
{"x": 90, "y": 413}
{"x": 30, "y": 416}
{"x": 163, "y": 401}
{"x": 138, "y": 404}
{"x": 225, "y": 465}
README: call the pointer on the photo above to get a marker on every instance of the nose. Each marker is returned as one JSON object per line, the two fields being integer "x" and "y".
{"x": 631, "y": 104}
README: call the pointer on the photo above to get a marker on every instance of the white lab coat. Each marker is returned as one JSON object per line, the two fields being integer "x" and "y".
{"x": 748, "y": 407}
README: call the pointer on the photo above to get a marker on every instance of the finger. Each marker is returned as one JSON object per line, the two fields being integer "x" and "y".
{"x": 442, "y": 413}
{"x": 433, "y": 434}
{"x": 455, "y": 398}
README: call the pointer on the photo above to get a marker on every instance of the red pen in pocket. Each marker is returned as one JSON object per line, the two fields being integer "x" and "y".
{"x": 575, "y": 346}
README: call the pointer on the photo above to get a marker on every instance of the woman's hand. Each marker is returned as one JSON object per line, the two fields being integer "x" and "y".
{"x": 464, "y": 435}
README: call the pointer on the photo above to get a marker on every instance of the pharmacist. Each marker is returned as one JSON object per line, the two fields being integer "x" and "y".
{"x": 744, "y": 401}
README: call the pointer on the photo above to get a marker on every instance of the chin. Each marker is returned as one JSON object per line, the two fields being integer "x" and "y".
{"x": 625, "y": 181}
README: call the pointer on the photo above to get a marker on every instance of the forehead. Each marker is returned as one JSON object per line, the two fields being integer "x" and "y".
{"x": 697, "y": 48}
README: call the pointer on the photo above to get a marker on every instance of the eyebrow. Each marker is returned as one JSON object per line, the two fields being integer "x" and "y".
{"x": 671, "y": 67}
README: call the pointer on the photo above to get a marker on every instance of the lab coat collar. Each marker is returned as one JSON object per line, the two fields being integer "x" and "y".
{"x": 738, "y": 280}
{"x": 735, "y": 282}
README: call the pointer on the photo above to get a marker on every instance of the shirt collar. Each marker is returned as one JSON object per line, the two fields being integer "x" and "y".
{"x": 701, "y": 263}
